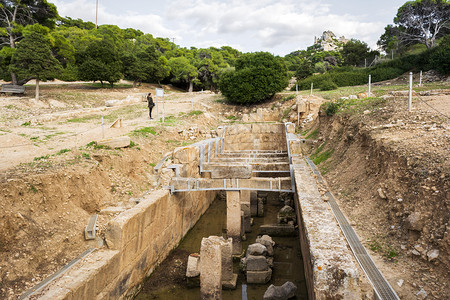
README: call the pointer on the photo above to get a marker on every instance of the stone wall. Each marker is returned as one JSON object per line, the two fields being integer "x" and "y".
{"x": 136, "y": 241}
{"x": 254, "y": 137}
{"x": 330, "y": 269}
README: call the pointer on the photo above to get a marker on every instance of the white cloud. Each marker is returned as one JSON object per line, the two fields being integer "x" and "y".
{"x": 277, "y": 26}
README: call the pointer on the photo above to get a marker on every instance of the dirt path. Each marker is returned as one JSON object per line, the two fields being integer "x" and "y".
{"x": 30, "y": 129}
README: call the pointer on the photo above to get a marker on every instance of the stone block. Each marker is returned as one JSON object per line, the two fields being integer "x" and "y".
{"x": 286, "y": 291}
{"x": 257, "y": 263}
{"x": 256, "y": 249}
{"x": 290, "y": 128}
{"x": 259, "y": 277}
{"x": 234, "y": 220}
{"x": 192, "y": 269}
{"x": 210, "y": 270}
{"x": 268, "y": 242}
{"x": 231, "y": 171}
{"x": 117, "y": 142}
{"x": 230, "y": 284}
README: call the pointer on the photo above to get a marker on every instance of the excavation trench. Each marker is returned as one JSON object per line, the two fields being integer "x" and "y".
{"x": 242, "y": 161}
{"x": 169, "y": 281}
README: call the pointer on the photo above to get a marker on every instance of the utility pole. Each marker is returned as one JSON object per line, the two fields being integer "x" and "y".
{"x": 96, "y": 14}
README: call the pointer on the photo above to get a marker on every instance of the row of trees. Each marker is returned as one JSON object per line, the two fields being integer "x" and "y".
{"x": 38, "y": 44}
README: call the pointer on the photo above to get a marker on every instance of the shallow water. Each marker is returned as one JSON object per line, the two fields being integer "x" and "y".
{"x": 288, "y": 264}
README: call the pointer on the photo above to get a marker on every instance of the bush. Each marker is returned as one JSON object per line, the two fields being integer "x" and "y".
{"x": 331, "y": 108}
{"x": 257, "y": 77}
{"x": 328, "y": 85}
{"x": 439, "y": 57}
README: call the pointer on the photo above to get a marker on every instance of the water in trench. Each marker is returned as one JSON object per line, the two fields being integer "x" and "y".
{"x": 168, "y": 281}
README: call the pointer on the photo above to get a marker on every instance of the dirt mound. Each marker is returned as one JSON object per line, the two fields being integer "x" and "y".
{"x": 390, "y": 170}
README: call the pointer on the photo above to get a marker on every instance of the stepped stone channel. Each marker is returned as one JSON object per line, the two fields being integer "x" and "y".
{"x": 248, "y": 166}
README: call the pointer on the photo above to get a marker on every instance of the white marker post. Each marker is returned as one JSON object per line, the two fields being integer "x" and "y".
{"x": 410, "y": 91}
{"x": 370, "y": 82}
{"x": 160, "y": 93}
{"x": 420, "y": 81}
{"x": 312, "y": 85}
{"x": 103, "y": 128}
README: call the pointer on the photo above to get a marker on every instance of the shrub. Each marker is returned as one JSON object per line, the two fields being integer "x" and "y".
{"x": 439, "y": 57}
{"x": 331, "y": 108}
{"x": 328, "y": 85}
{"x": 257, "y": 77}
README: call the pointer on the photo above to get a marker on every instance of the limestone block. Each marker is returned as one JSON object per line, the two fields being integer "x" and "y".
{"x": 290, "y": 128}
{"x": 256, "y": 249}
{"x": 231, "y": 171}
{"x": 193, "y": 269}
{"x": 210, "y": 270}
{"x": 286, "y": 291}
{"x": 226, "y": 248}
{"x": 268, "y": 242}
{"x": 117, "y": 142}
{"x": 184, "y": 155}
{"x": 234, "y": 220}
{"x": 286, "y": 214}
{"x": 259, "y": 277}
{"x": 257, "y": 263}
{"x": 295, "y": 146}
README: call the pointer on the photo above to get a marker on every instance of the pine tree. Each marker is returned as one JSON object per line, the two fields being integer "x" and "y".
{"x": 33, "y": 57}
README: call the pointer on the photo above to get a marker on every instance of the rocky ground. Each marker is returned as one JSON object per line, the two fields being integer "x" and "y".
{"x": 388, "y": 168}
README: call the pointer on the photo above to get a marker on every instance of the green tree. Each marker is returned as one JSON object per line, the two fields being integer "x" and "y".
{"x": 100, "y": 62}
{"x": 257, "y": 77}
{"x": 16, "y": 14}
{"x": 304, "y": 69}
{"x": 33, "y": 57}
{"x": 354, "y": 52}
{"x": 146, "y": 65}
{"x": 183, "y": 71}
{"x": 423, "y": 21}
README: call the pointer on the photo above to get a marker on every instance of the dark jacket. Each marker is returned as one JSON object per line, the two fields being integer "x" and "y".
{"x": 150, "y": 101}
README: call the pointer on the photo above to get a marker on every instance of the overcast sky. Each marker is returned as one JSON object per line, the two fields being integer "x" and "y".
{"x": 276, "y": 26}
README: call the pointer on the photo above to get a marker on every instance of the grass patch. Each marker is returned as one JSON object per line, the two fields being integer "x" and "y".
{"x": 195, "y": 113}
{"x": 62, "y": 151}
{"x": 41, "y": 157}
{"x": 170, "y": 121}
{"x": 380, "y": 245}
{"x": 232, "y": 118}
{"x": 144, "y": 131}
{"x": 84, "y": 119}
{"x": 321, "y": 157}
{"x": 313, "y": 134}
{"x": 26, "y": 124}
{"x": 33, "y": 188}
{"x": 85, "y": 155}
{"x": 287, "y": 98}
{"x": 286, "y": 113}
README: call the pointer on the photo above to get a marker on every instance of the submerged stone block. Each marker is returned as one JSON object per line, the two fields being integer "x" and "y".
{"x": 259, "y": 277}
{"x": 257, "y": 263}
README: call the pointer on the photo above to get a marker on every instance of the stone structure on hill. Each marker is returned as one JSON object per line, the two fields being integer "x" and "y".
{"x": 329, "y": 42}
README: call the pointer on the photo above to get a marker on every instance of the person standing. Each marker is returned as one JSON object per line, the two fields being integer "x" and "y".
{"x": 150, "y": 104}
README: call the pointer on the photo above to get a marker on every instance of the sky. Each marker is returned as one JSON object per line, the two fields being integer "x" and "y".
{"x": 276, "y": 26}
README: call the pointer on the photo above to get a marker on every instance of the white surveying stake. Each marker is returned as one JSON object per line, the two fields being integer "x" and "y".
{"x": 160, "y": 93}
